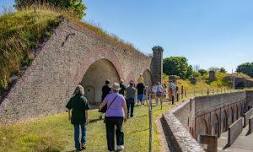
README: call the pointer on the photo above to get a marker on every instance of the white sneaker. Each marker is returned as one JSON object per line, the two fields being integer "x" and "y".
{"x": 120, "y": 148}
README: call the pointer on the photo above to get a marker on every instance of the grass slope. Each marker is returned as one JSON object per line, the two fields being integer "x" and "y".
{"x": 20, "y": 33}
{"x": 55, "y": 133}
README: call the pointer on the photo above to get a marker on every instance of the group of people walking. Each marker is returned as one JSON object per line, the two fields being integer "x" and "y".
{"x": 118, "y": 102}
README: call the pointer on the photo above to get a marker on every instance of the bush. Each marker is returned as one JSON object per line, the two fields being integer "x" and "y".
{"x": 77, "y": 6}
{"x": 177, "y": 66}
{"x": 246, "y": 68}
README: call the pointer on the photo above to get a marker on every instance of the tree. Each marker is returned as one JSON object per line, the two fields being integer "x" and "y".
{"x": 223, "y": 70}
{"x": 202, "y": 72}
{"x": 246, "y": 68}
{"x": 177, "y": 66}
{"x": 77, "y": 6}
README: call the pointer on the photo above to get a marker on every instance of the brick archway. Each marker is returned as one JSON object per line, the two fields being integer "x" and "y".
{"x": 95, "y": 77}
{"x": 232, "y": 115}
{"x": 225, "y": 121}
{"x": 216, "y": 125}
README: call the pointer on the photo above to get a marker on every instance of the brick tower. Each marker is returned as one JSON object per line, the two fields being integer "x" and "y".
{"x": 157, "y": 64}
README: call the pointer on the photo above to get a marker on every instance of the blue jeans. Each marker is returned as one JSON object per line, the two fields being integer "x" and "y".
{"x": 77, "y": 135}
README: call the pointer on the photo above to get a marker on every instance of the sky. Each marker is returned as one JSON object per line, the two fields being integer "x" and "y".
{"x": 209, "y": 33}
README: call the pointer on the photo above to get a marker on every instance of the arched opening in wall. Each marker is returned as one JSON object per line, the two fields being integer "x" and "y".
{"x": 237, "y": 112}
{"x": 232, "y": 115}
{"x": 240, "y": 85}
{"x": 242, "y": 109}
{"x": 225, "y": 121}
{"x": 204, "y": 127}
{"x": 216, "y": 126}
{"x": 95, "y": 77}
{"x": 147, "y": 78}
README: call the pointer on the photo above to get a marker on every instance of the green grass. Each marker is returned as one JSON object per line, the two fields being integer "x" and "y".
{"x": 20, "y": 32}
{"x": 55, "y": 133}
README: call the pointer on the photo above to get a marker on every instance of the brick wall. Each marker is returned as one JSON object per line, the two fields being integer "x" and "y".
{"x": 49, "y": 82}
{"x": 207, "y": 115}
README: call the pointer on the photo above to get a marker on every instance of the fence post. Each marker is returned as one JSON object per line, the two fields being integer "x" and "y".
{"x": 150, "y": 125}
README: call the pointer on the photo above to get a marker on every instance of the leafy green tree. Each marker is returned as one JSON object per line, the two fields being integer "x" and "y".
{"x": 202, "y": 72}
{"x": 223, "y": 70}
{"x": 77, "y": 6}
{"x": 246, "y": 68}
{"x": 177, "y": 66}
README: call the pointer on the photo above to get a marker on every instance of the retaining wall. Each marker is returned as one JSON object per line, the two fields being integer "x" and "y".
{"x": 179, "y": 138}
{"x": 185, "y": 123}
{"x": 234, "y": 131}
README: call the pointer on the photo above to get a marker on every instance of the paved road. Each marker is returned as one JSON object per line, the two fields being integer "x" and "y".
{"x": 242, "y": 144}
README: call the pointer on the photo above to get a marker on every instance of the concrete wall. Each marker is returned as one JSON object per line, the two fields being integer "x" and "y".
{"x": 234, "y": 131}
{"x": 62, "y": 63}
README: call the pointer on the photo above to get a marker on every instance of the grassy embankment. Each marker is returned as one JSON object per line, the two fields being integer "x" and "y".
{"x": 20, "y": 34}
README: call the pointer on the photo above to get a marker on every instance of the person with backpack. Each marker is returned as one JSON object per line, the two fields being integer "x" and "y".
{"x": 159, "y": 94}
{"x": 78, "y": 105}
{"x": 115, "y": 114}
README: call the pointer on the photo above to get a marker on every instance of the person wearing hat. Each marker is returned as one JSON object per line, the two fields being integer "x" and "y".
{"x": 78, "y": 105}
{"x": 130, "y": 97}
{"x": 115, "y": 114}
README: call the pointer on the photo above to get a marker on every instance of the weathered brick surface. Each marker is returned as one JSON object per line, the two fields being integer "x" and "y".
{"x": 49, "y": 82}
{"x": 208, "y": 115}
{"x": 250, "y": 99}
{"x": 247, "y": 116}
{"x": 234, "y": 131}
{"x": 180, "y": 138}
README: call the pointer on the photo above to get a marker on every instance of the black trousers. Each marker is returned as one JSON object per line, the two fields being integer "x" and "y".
{"x": 130, "y": 107}
{"x": 111, "y": 123}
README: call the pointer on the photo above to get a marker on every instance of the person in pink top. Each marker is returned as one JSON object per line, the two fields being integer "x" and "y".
{"x": 115, "y": 114}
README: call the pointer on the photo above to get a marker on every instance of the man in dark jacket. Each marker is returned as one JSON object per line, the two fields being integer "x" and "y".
{"x": 122, "y": 87}
{"x": 106, "y": 90}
